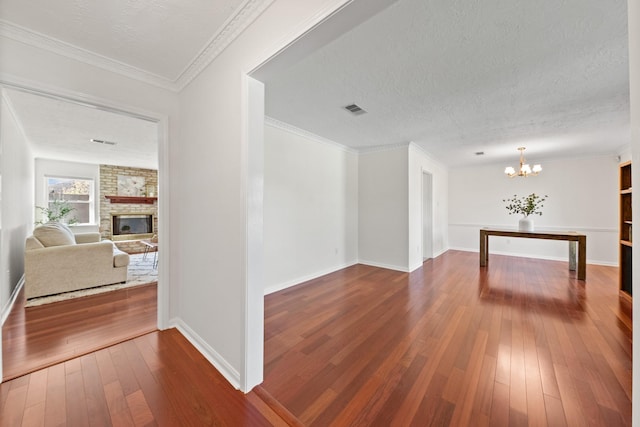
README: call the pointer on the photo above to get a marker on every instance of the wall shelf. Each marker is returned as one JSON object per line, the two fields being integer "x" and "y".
{"x": 625, "y": 229}
{"x": 132, "y": 199}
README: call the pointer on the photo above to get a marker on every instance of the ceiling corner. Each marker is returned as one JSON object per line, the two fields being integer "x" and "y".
{"x": 248, "y": 12}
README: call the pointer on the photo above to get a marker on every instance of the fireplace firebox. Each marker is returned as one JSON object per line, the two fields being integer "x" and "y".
{"x": 131, "y": 226}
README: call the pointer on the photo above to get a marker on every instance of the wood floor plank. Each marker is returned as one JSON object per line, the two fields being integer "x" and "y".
{"x": 55, "y": 413}
{"x": 97, "y": 408}
{"x": 14, "y": 406}
{"x": 78, "y": 413}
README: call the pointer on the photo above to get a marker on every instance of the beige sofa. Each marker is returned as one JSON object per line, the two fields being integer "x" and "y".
{"x": 58, "y": 261}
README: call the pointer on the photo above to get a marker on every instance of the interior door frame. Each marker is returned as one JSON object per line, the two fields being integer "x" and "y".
{"x": 162, "y": 122}
{"x": 426, "y": 208}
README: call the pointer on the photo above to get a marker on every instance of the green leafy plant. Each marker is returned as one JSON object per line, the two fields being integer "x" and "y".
{"x": 526, "y": 205}
{"x": 57, "y": 211}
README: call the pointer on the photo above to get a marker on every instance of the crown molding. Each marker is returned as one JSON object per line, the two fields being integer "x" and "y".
{"x": 12, "y": 112}
{"x": 244, "y": 16}
{"x": 248, "y": 12}
{"x": 270, "y": 121}
{"x": 387, "y": 147}
{"x": 39, "y": 40}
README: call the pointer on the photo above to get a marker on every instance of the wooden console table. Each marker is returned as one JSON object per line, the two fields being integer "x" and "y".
{"x": 571, "y": 236}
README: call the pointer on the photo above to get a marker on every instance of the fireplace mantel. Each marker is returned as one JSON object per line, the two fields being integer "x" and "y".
{"x": 131, "y": 199}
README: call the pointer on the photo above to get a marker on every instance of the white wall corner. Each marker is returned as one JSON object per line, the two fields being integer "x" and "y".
{"x": 275, "y": 123}
{"x": 403, "y": 269}
{"x": 301, "y": 280}
{"x": 428, "y": 155}
{"x": 208, "y": 352}
{"x": 12, "y": 300}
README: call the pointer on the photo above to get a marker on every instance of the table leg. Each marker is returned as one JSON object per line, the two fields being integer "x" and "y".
{"x": 484, "y": 248}
{"x": 582, "y": 257}
{"x": 572, "y": 255}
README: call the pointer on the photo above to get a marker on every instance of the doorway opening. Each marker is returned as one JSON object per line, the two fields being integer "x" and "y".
{"x": 158, "y": 302}
{"x": 427, "y": 216}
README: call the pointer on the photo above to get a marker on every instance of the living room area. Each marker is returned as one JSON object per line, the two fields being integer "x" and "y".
{"x": 91, "y": 256}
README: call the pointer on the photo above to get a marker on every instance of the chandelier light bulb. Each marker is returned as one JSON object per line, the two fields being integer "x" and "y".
{"x": 524, "y": 170}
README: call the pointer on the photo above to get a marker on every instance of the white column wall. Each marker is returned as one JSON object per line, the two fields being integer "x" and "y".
{"x": 383, "y": 208}
{"x": 16, "y": 210}
{"x": 310, "y": 208}
{"x": 211, "y": 191}
{"x": 420, "y": 162}
{"x": 582, "y": 194}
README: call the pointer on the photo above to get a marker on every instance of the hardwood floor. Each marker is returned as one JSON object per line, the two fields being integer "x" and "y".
{"x": 521, "y": 342}
{"x": 37, "y": 337}
{"x": 156, "y": 379}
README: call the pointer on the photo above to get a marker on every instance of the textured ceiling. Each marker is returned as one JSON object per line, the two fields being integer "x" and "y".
{"x": 458, "y": 77}
{"x": 453, "y": 76}
{"x": 61, "y": 130}
{"x": 161, "y": 42}
{"x": 160, "y": 37}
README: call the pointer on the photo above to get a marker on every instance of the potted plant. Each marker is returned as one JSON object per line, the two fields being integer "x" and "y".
{"x": 57, "y": 211}
{"x": 526, "y": 205}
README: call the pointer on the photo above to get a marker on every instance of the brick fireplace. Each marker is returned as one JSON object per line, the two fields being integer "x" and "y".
{"x": 127, "y": 240}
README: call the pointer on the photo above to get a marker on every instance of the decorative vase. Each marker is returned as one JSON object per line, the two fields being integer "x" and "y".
{"x": 525, "y": 224}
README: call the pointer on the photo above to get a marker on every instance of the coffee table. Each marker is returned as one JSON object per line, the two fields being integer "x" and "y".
{"x": 151, "y": 247}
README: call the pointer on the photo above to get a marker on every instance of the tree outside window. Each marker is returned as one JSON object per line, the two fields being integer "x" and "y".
{"x": 78, "y": 193}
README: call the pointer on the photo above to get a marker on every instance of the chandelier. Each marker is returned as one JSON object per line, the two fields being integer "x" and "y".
{"x": 524, "y": 170}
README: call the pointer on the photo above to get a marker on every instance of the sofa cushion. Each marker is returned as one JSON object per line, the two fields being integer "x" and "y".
{"x": 54, "y": 234}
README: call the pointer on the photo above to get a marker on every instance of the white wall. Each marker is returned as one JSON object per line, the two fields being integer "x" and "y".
{"x": 582, "y": 197}
{"x": 383, "y": 208}
{"x": 48, "y": 167}
{"x": 211, "y": 175}
{"x": 310, "y": 208}
{"x": 16, "y": 211}
{"x": 420, "y": 162}
{"x": 634, "y": 79}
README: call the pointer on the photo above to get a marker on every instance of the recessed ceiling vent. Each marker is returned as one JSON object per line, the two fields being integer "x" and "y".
{"x": 101, "y": 141}
{"x": 354, "y": 109}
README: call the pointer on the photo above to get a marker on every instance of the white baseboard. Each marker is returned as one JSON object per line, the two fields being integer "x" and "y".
{"x": 208, "y": 352}
{"x": 306, "y": 278}
{"x": 12, "y": 300}
{"x": 549, "y": 258}
{"x": 403, "y": 269}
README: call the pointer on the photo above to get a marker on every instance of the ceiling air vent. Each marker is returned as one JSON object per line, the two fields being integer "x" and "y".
{"x": 354, "y": 109}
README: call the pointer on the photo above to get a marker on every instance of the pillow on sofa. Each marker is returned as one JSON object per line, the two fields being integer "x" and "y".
{"x": 54, "y": 234}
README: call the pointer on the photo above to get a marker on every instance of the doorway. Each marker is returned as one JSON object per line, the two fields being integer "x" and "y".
{"x": 427, "y": 216}
{"x": 29, "y": 97}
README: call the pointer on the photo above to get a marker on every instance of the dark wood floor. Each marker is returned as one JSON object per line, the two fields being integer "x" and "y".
{"x": 37, "y": 337}
{"x": 156, "y": 379}
{"x": 521, "y": 342}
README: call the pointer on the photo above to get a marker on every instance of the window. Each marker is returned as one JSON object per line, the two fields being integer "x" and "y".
{"x": 78, "y": 193}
